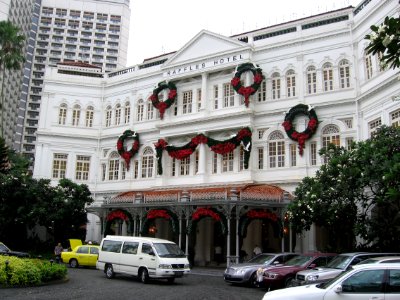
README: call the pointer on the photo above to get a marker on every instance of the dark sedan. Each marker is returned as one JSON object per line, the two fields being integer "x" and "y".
{"x": 246, "y": 273}
{"x": 4, "y": 250}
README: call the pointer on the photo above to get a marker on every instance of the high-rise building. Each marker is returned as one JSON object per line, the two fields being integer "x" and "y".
{"x": 23, "y": 14}
{"x": 88, "y": 31}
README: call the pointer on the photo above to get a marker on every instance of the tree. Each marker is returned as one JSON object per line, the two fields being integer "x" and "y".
{"x": 11, "y": 55}
{"x": 385, "y": 39}
{"x": 26, "y": 202}
{"x": 356, "y": 193}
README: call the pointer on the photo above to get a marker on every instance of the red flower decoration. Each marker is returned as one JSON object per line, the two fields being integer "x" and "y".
{"x": 223, "y": 148}
{"x": 128, "y": 154}
{"x": 247, "y": 91}
{"x": 162, "y": 106}
{"x": 158, "y": 213}
{"x": 261, "y": 214}
{"x": 204, "y": 212}
{"x": 117, "y": 214}
{"x": 308, "y": 132}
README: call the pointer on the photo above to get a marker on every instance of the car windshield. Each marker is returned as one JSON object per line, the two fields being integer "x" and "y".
{"x": 298, "y": 260}
{"x": 339, "y": 262}
{"x": 325, "y": 285}
{"x": 261, "y": 259}
{"x": 4, "y": 248}
{"x": 168, "y": 250}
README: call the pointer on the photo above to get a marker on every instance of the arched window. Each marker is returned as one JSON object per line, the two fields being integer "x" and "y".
{"x": 147, "y": 163}
{"x": 113, "y": 166}
{"x": 276, "y": 86}
{"x": 368, "y": 65}
{"x": 62, "y": 114}
{"x": 76, "y": 114}
{"x": 127, "y": 112}
{"x": 276, "y": 150}
{"x": 262, "y": 92}
{"x": 327, "y": 73}
{"x": 185, "y": 166}
{"x": 291, "y": 83}
{"x": 118, "y": 111}
{"x": 227, "y": 162}
{"x": 150, "y": 111}
{"x": 89, "y": 116}
{"x": 344, "y": 73}
{"x": 140, "y": 110}
{"x": 108, "y": 116}
{"x": 311, "y": 80}
{"x": 330, "y": 135}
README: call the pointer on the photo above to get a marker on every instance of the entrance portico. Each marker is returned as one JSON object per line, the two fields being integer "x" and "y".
{"x": 235, "y": 217}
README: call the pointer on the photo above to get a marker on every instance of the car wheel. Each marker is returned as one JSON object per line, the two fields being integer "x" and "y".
{"x": 109, "y": 272}
{"x": 253, "y": 280}
{"x": 73, "y": 263}
{"x": 144, "y": 276}
{"x": 288, "y": 282}
{"x": 171, "y": 280}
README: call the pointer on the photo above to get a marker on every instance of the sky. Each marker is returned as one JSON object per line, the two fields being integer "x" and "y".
{"x": 159, "y": 27}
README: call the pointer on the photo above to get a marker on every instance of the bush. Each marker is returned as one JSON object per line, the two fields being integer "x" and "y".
{"x": 28, "y": 272}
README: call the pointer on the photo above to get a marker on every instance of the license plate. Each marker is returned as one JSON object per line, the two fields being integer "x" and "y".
{"x": 178, "y": 273}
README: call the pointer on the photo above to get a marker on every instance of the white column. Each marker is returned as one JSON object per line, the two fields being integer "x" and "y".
{"x": 228, "y": 243}
{"x": 204, "y": 91}
{"x": 202, "y": 159}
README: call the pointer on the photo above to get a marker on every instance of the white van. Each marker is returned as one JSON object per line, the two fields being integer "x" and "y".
{"x": 144, "y": 257}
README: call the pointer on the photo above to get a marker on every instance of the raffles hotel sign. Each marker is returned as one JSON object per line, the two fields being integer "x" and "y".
{"x": 207, "y": 64}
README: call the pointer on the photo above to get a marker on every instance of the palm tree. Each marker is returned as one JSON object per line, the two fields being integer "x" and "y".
{"x": 11, "y": 56}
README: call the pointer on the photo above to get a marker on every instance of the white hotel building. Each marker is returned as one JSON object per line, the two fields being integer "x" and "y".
{"x": 210, "y": 198}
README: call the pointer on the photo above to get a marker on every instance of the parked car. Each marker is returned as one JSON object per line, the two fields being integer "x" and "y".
{"x": 338, "y": 265}
{"x": 282, "y": 276}
{"x": 246, "y": 273}
{"x": 366, "y": 281}
{"x": 4, "y": 250}
{"x": 81, "y": 255}
{"x": 381, "y": 260}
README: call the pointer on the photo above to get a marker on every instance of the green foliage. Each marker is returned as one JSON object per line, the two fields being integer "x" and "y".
{"x": 4, "y": 161}
{"x": 28, "y": 272}
{"x": 26, "y": 202}
{"x": 356, "y": 193}
{"x": 385, "y": 39}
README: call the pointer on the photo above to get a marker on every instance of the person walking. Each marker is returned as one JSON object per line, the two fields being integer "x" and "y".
{"x": 256, "y": 251}
{"x": 57, "y": 252}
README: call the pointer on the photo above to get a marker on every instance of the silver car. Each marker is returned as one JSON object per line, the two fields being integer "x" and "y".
{"x": 246, "y": 273}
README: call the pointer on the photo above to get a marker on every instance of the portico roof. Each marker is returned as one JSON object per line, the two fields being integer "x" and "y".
{"x": 257, "y": 192}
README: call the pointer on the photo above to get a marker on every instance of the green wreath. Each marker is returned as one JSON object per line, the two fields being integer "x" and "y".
{"x": 300, "y": 137}
{"x": 128, "y": 154}
{"x": 163, "y": 105}
{"x": 247, "y": 91}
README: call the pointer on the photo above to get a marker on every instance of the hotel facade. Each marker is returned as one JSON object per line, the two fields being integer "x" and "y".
{"x": 208, "y": 166}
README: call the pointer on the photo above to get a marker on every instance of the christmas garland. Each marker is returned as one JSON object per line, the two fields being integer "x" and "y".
{"x": 220, "y": 147}
{"x": 163, "y": 105}
{"x": 247, "y": 91}
{"x": 312, "y": 125}
{"x": 159, "y": 213}
{"x": 128, "y": 154}
{"x": 203, "y": 212}
{"x": 118, "y": 214}
{"x": 254, "y": 214}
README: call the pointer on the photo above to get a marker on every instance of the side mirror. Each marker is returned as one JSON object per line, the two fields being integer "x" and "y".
{"x": 338, "y": 289}
{"x": 152, "y": 253}
{"x": 312, "y": 266}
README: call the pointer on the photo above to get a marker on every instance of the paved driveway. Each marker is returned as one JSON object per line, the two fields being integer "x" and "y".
{"x": 88, "y": 284}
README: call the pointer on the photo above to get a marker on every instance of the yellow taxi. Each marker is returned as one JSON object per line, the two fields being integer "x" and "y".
{"x": 81, "y": 255}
